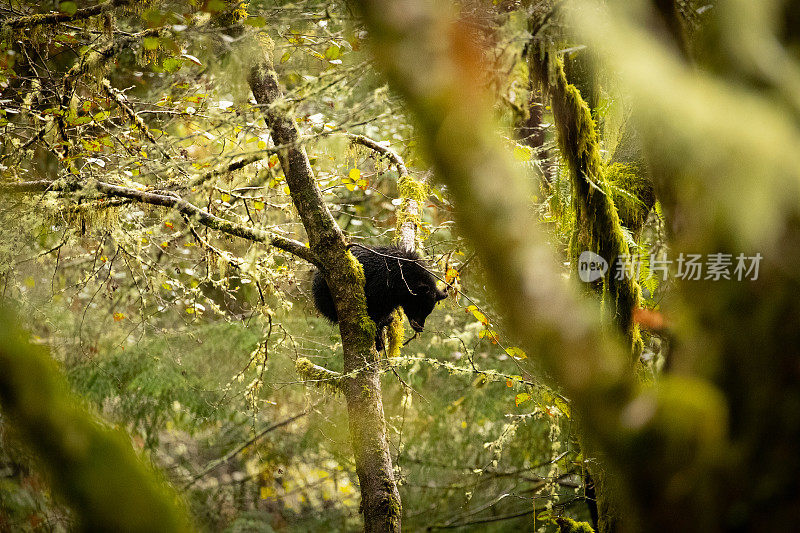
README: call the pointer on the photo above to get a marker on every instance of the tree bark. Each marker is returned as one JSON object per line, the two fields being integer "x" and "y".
{"x": 380, "y": 499}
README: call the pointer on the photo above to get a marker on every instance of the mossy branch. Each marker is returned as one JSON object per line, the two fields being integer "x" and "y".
{"x": 381, "y": 149}
{"x": 174, "y": 202}
{"x": 412, "y": 192}
{"x": 318, "y": 375}
{"x": 31, "y": 21}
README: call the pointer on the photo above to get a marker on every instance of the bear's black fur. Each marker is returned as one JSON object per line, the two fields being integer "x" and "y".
{"x": 393, "y": 278}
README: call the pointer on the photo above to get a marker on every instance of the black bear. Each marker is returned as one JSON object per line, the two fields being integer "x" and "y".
{"x": 393, "y": 278}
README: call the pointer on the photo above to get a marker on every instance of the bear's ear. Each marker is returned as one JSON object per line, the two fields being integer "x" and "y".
{"x": 440, "y": 295}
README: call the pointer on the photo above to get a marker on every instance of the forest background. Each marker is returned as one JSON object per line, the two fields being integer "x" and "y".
{"x": 172, "y": 173}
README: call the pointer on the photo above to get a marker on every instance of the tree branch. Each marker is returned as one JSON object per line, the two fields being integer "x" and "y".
{"x": 174, "y": 202}
{"x": 381, "y": 149}
{"x": 56, "y": 17}
{"x": 239, "y": 449}
{"x": 121, "y": 101}
{"x": 412, "y": 191}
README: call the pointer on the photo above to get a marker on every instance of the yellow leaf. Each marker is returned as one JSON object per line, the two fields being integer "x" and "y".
{"x": 522, "y": 153}
{"x": 118, "y": 317}
{"x": 262, "y": 145}
{"x": 286, "y": 189}
{"x": 478, "y": 315}
{"x": 488, "y": 334}
{"x": 258, "y": 205}
{"x": 517, "y": 353}
{"x": 166, "y": 287}
{"x": 521, "y": 398}
{"x": 190, "y": 310}
{"x": 225, "y": 197}
{"x": 30, "y": 282}
{"x": 354, "y": 174}
{"x": 450, "y": 275}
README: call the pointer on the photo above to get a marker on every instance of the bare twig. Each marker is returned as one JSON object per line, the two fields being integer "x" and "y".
{"x": 240, "y": 449}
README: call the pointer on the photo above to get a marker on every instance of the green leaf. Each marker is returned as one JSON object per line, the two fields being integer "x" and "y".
{"x": 70, "y": 8}
{"x": 171, "y": 64}
{"x": 333, "y": 52}
{"x": 79, "y": 121}
{"x": 150, "y": 43}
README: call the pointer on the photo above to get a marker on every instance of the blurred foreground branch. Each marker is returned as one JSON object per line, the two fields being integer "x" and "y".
{"x": 91, "y": 467}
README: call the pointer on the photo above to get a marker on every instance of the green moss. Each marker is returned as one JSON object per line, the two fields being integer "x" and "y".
{"x": 368, "y": 327}
{"x": 395, "y": 334}
{"x": 568, "y": 525}
{"x": 412, "y": 189}
{"x": 598, "y": 225}
{"x": 319, "y": 376}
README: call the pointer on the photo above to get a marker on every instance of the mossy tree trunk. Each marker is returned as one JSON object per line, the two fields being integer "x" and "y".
{"x": 598, "y": 227}
{"x": 380, "y": 499}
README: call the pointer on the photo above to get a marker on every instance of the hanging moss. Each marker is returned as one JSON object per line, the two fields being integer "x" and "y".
{"x": 598, "y": 225}
{"x": 395, "y": 334}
